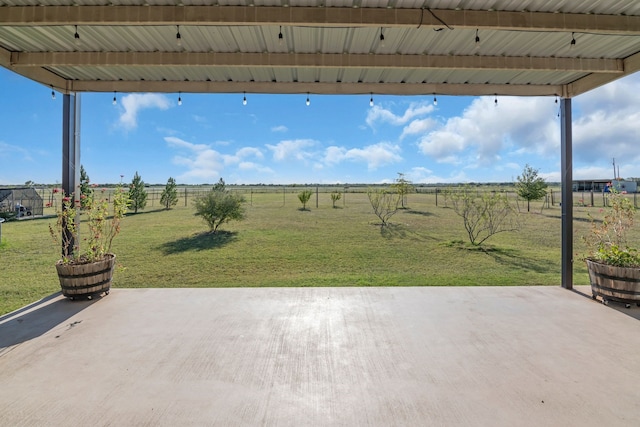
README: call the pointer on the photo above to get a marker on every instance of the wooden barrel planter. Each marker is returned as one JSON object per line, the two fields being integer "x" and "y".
{"x": 86, "y": 280}
{"x": 614, "y": 283}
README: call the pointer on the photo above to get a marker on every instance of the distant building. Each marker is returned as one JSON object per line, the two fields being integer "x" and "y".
{"x": 23, "y": 201}
{"x": 603, "y": 185}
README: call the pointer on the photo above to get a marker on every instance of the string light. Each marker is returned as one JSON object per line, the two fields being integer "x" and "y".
{"x": 435, "y": 100}
{"x": 371, "y": 100}
{"x": 280, "y": 37}
{"x": 381, "y": 38}
{"x": 477, "y": 40}
{"x": 244, "y": 98}
{"x": 308, "y": 101}
{"x": 573, "y": 41}
{"x": 556, "y": 99}
{"x": 179, "y": 98}
{"x": 178, "y": 36}
{"x": 76, "y": 37}
{"x": 53, "y": 94}
{"x": 114, "y": 102}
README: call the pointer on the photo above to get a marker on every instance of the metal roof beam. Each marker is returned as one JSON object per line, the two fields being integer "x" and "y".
{"x": 319, "y": 60}
{"x": 316, "y": 16}
{"x": 314, "y": 88}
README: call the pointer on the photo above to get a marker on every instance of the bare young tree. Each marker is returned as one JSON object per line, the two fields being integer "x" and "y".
{"x": 384, "y": 204}
{"x": 484, "y": 214}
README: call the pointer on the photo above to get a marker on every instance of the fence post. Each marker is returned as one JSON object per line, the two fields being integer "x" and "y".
{"x": 436, "y": 196}
{"x": 185, "y": 197}
{"x": 316, "y": 197}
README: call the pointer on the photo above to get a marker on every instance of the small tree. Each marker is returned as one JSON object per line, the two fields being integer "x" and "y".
{"x": 530, "y": 186}
{"x": 304, "y": 197}
{"x": 484, "y": 214}
{"x": 169, "y": 196}
{"x": 86, "y": 192}
{"x": 402, "y": 187}
{"x": 137, "y": 194}
{"x": 384, "y": 204}
{"x": 219, "y": 206}
{"x": 335, "y": 196}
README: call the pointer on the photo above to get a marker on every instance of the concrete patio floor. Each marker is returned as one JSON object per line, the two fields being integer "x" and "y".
{"x": 476, "y": 356}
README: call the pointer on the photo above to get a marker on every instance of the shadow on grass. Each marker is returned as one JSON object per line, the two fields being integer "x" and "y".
{"x": 400, "y": 231}
{"x": 145, "y": 212}
{"x": 421, "y": 213}
{"x": 506, "y": 257}
{"x": 199, "y": 242}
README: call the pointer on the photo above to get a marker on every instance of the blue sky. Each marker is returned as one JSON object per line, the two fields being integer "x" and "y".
{"x": 277, "y": 139}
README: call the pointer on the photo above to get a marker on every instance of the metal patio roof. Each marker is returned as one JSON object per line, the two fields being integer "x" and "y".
{"x": 327, "y": 46}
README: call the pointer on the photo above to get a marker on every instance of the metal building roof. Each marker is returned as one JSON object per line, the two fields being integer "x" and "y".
{"x": 526, "y": 47}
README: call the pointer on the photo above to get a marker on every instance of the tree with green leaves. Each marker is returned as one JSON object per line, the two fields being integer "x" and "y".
{"x": 219, "y": 206}
{"x": 484, "y": 214}
{"x": 384, "y": 203}
{"x": 402, "y": 187}
{"x": 304, "y": 197}
{"x": 530, "y": 186}
{"x": 137, "y": 194}
{"x": 335, "y": 196}
{"x": 86, "y": 192}
{"x": 169, "y": 196}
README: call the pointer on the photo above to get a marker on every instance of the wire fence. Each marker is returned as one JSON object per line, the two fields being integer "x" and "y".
{"x": 255, "y": 195}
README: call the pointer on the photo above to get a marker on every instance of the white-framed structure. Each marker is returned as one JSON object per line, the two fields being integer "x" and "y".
{"x": 405, "y": 47}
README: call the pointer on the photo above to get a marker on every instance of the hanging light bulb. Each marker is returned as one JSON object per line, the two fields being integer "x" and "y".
{"x": 308, "y": 102}
{"x": 76, "y": 37}
{"x": 178, "y": 36}
{"x": 179, "y": 98}
{"x": 435, "y": 100}
{"x": 381, "y": 38}
{"x": 371, "y": 101}
{"x": 114, "y": 102}
{"x": 573, "y": 41}
{"x": 280, "y": 37}
{"x": 477, "y": 40}
{"x": 53, "y": 94}
{"x": 244, "y": 98}
{"x": 495, "y": 101}
{"x": 556, "y": 99}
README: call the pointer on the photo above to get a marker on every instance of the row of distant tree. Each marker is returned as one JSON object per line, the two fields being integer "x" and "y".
{"x": 137, "y": 193}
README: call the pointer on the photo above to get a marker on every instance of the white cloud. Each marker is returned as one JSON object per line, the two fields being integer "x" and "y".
{"x": 135, "y": 102}
{"x": 280, "y": 128}
{"x": 417, "y": 127}
{"x": 484, "y": 132}
{"x": 374, "y": 156}
{"x": 204, "y": 164}
{"x": 292, "y": 150}
{"x": 7, "y": 150}
{"x": 378, "y": 114}
{"x": 250, "y": 166}
{"x": 608, "y": 124}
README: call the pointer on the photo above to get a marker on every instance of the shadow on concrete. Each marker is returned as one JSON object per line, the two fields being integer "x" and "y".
{"x": 633, "y": 311}
{"x": 38, "y": 318}
{"x": 199, "y": 242}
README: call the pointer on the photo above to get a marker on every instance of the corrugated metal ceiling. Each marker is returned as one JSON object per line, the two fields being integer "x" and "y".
{"x": 608, "y": 30}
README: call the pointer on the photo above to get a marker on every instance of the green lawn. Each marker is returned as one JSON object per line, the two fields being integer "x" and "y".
{"x": 280, "y": 245}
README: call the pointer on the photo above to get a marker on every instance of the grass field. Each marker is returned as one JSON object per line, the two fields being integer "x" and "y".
{"x": 280, "y": 245}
